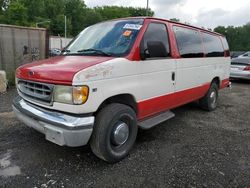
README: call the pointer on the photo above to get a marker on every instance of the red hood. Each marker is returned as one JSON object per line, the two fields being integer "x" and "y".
{"x": 57, "y": 70}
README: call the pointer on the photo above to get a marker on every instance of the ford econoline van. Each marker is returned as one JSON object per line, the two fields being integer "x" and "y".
{"x": 120, "y": 75}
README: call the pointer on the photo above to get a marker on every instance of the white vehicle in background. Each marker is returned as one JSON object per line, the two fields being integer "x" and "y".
{"x": 119, "y": 75}
{"x": 245, "y": 55}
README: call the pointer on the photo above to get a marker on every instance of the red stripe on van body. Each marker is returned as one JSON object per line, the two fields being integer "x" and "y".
{"x": 224, "y": 83}
{"x": 156, "y": 105}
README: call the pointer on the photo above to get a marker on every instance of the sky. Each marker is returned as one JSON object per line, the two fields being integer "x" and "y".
{"x": 202, "y": 13}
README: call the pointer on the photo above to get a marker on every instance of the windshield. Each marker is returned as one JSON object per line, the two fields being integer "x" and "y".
{"x": 112, "y": 38}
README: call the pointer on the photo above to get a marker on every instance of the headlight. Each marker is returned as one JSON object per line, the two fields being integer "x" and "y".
{"x": 71, "y": 94}
{"x": 63, "y": 94}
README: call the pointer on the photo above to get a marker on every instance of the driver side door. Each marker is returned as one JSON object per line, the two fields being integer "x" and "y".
{"x": 157, "y": 71}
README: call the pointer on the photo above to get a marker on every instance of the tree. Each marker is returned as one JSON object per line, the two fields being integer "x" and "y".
{"x": 16, "y": 14}
{"x": 91, "y": 17}
{"x": 238, "y": 37}
{"x": 79, "y": 16}
{"x": 175, "y": 19}
{"x": 112, "y": 12}
{"x": 139, "y": 12}
{"x": 75, "y": 11}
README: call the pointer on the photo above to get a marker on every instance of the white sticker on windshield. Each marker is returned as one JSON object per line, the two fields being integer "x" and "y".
{"x": 132, "y": 26}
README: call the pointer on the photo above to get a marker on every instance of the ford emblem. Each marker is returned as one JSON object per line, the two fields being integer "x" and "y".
{"x": 31, "y": 73}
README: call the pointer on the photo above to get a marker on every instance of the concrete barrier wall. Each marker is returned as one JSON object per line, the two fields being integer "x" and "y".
{"x": 3, "y": 82}
{"x": 21, "y": 45}
{"x": 58, "y": 42}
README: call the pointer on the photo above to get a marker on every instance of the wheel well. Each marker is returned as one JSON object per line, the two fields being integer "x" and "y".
{"x": 217, "y": 81}
{"x": 126, "y": 99}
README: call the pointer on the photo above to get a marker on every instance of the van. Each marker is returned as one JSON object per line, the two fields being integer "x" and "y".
{"x": 118, "y": 75}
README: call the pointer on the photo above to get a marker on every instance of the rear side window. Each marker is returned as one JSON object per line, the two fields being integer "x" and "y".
{"x": 156, "y": 32}
{"x": 189, "y": 42}
{"x": 213, "y": 46}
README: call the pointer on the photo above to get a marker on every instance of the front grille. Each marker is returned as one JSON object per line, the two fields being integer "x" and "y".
{"x": 35, "y": 90}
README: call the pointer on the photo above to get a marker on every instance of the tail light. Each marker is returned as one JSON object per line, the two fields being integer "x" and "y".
{"x": 247, "y": 68}
{"x": 227, "y": 53}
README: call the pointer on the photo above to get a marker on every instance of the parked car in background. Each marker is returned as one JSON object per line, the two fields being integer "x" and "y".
{"x": 235, "y": 54}
{"x": 240, "y": 68}
{"x": 54, "y": 52}
{"x": 245, "y": 55}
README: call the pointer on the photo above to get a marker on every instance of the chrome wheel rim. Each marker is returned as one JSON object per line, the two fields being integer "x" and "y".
{"x": 213, "y": 98}
{"x": 120, "y": 134}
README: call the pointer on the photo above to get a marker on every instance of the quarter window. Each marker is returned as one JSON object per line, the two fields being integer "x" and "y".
{"x": 225, "y": 44}
{"x": 189, "y": 42}
{"x": 213, "y": 46}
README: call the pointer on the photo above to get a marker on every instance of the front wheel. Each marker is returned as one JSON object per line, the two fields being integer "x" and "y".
{"x": 209, "y": 101}
{"x": 114, "y": 132}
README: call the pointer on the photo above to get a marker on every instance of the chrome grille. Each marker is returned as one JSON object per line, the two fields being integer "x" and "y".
{"x": 36, "y": 90}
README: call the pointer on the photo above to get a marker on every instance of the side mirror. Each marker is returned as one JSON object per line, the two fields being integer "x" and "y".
{"x": 156, "y": 49}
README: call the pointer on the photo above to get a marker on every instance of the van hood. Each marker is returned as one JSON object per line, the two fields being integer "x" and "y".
{"x": 58, "y": 70}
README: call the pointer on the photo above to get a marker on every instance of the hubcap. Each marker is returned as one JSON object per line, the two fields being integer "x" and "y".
{"x": 213, "y": 98}
{"x": 120, "y": 134}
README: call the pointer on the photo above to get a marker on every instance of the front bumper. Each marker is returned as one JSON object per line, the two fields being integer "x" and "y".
{"x": 59, "y": 128}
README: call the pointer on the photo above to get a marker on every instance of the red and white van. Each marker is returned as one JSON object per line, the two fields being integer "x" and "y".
{"x": 119, "y": 75}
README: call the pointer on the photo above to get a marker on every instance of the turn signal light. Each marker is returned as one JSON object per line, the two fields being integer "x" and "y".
{"x": 80, "y": 94}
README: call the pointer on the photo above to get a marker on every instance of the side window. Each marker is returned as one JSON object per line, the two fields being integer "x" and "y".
{"x": 225, "y": 44}
{"x": 189, "y": 42}
{"x": 155, "y": 41}
{"x": 213, "y": 45}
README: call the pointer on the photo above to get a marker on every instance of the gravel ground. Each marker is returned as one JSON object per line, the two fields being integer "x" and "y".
{"x": 194, "y": 149}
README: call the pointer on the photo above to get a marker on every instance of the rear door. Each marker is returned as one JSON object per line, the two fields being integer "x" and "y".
{"x": 157, "y": 78}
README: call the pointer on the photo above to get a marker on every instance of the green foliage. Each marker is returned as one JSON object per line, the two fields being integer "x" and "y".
{"x": 238, "y": 37}
{"x": 16, "y": 14}
{"x": 175, "y": 19}
{"x": 79, "y": 16}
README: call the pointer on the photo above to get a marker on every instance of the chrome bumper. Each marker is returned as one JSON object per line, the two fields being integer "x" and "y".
{"x": 59, "y": 128}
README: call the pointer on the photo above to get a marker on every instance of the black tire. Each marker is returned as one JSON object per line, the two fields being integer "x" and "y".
{"x": 209, "y": 101}
{"x": 106, "y": 121}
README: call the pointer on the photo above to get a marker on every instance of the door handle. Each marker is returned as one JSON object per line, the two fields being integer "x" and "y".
{"x": 173, "y": 76}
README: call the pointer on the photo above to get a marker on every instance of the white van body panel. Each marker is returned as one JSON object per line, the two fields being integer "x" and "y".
{"x": 147, "y": 79}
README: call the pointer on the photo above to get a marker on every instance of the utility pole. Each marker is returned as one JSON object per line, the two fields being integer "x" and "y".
{"x": 65, "y": 26}
{"x": 147, "y": 8}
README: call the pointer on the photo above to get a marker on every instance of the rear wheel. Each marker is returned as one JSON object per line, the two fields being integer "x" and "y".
{"x": 209, "y": 101}
{"x": 114, "y": 132}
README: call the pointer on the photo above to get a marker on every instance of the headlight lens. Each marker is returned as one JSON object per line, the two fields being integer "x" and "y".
{"x": 80, "y": 94}
{"x": 71, "y": 94}
{"x": 63, "y": 94}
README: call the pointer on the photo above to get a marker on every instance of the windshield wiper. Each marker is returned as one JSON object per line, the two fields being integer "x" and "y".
{"x": 65, "y": 50}
{"x": 95, "y": 50}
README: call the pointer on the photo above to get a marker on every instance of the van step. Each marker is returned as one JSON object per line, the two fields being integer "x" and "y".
{"x": 151, "y": 122}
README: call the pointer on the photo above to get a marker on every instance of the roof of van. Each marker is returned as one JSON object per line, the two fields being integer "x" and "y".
{"x": 179, "y": 23}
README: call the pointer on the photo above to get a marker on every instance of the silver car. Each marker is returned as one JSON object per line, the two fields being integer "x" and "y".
{"x": 240, "y": 68}
{"x": 245, "y": 55}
